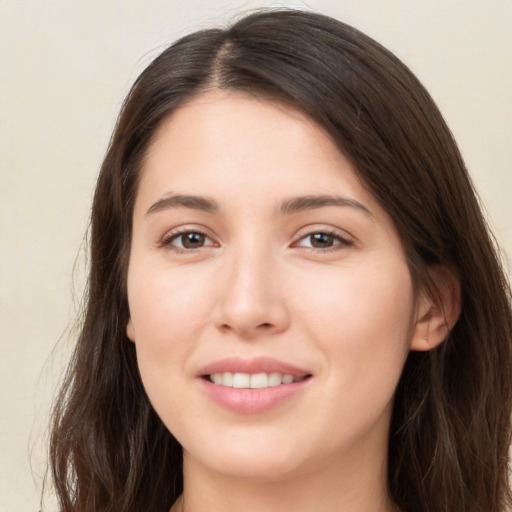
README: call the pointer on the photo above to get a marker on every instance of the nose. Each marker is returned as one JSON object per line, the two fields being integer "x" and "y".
{"x": 251, "y": 300}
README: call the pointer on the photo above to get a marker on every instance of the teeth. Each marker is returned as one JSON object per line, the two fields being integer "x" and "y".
{"x": 259, "y": 380}
{"x": 252, "y": 381}
{"x": 227, "y": 379}
{"x": 287, "y": 379}
{"x": 274, "y": 379}
{"x": 216, "y": 378}
{"x": 241, "y": 380}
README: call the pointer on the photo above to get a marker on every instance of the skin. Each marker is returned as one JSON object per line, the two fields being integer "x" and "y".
{"x": 255, "y": 285}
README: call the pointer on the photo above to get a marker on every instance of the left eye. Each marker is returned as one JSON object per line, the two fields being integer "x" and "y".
{"x": 188, "y": 240}
{"x": 321, "y": 241}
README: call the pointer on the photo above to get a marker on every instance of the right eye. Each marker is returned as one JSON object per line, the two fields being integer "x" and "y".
{"x": 187, "y": 241}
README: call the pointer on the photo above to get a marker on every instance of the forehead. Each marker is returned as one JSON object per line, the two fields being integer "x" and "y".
{"x": 234, "y": 117}
{"x": 246, "y": 152}
{"x": 250, "y": 161}
{"x": 219, "y": 130}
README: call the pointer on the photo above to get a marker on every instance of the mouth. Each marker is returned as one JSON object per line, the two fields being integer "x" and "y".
{"x": 254, "y": 385}
{"x": 262, "y": 380}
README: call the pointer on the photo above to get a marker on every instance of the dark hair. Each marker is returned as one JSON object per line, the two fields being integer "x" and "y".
{"x": 451, "y": 425}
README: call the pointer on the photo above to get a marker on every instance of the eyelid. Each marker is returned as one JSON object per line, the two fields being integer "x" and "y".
{"x": 344, "y": 238}
{"x": 172, "y": 234}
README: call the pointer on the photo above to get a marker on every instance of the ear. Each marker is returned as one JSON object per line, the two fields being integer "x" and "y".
{"x": 129, "y": 330}
{"x": 438, "y": 309}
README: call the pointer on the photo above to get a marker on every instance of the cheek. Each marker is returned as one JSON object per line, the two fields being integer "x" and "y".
{"x": 165, "y": 307}
{"x": 167, "y": 315}
{"x": 362, "y": 321}
{"x": 167, "y": 311}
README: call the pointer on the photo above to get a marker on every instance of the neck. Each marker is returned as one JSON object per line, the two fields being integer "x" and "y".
{"x": 358, "y": 486}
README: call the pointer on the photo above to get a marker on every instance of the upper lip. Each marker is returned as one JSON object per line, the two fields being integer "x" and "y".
{"x": 251, "y": 365}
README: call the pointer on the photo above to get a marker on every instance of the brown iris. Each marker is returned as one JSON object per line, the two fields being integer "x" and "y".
{"x": 192, "y": 240}
{"x": 321, "y": 240}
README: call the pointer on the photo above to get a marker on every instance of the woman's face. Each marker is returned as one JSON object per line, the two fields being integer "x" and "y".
{"x": 259, "y": 259}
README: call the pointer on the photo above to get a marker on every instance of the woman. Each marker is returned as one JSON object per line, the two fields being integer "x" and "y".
{"x": 293, "y": 301}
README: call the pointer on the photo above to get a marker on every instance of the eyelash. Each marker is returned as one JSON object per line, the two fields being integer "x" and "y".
{"x": 341, "y": 242}
{"x": 167, "y": 241}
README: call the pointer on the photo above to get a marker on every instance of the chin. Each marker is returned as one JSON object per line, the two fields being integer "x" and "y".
{"x": 257, "y": 460}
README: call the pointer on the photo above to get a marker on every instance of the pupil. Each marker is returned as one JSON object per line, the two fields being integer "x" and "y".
{"x": 321, "y": 240}
{"x": 193, "y": 240}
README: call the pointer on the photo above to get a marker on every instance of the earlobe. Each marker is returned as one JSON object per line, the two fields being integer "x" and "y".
{"x": 129, "y": 330}
{"x": 438, "y": 309}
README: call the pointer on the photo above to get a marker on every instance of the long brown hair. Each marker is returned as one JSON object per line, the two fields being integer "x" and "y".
{"x": 451, "y": 424}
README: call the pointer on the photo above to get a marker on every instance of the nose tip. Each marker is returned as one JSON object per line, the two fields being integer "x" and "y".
{"x": 253, "y": 320}
{"x": 251, "y": 303}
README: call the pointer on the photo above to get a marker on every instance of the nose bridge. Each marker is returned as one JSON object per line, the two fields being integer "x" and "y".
{"x": 251, "y": 299}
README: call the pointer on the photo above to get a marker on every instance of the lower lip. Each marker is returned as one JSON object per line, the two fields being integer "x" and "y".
{"x": 252, "y": 401}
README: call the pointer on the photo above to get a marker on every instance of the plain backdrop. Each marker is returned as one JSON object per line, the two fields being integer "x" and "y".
{"x": 65, "y": 67}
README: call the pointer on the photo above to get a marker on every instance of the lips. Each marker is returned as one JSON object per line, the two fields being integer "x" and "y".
{"x": 252, "y": 366}
{"x": 252, "y": 385}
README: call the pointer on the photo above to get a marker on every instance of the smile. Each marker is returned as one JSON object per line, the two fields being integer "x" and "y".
{"x": 253, "y": 381}
{"x": 254, "y": 385}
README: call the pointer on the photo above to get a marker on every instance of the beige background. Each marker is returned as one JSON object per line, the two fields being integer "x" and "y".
{"x": 65, "y": 66}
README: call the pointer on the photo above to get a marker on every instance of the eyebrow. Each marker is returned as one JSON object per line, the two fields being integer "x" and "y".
{"x": 292, "y": 205}
{"x": 184, "y": 201}
{"x": 299, "y": 204}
